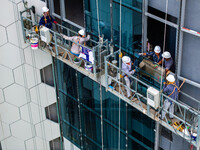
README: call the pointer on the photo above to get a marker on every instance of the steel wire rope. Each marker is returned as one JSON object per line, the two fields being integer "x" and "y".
{"x": 120, "y": 42}
{"x": 100, "y": 89}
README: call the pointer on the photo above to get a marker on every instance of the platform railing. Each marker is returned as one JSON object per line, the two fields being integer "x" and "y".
{"x": 59, "y": 47}
{"x": 188, "y": 118}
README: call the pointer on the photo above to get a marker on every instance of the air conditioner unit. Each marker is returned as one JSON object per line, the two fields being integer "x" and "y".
{"x": 153, "y": 97}
{"x": 45, "y": 35}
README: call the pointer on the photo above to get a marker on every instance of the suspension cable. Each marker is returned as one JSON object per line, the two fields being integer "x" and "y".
{"x": 120, "y": 42}
{"x": 100, "y": 89}
{"x": 164, "y": 41}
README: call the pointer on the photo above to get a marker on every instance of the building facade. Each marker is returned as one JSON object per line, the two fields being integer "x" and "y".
{"x": 47, "y": 103}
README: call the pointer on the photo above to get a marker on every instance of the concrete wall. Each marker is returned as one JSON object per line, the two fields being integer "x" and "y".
{"x": 23, "y": 98}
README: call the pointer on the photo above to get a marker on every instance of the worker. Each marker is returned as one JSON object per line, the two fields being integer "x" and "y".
{"x": 75, "y": 49}
{"x": 46, "y": 20}
{"x": 171, "y": 89}
{"x": 167, "y": 61}
{"x": 127, "y": 68}
{"x": 157, "y": 56}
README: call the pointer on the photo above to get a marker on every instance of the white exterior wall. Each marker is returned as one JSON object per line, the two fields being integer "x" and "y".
{"x": 23, "y": 98}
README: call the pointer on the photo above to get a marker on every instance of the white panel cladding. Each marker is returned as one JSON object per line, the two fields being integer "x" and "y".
{"x": 4, "y": 130}
{"x": 22, "y": 130}
{"x": 43, "y": 95}
{"x": 32, "y": 113}
{"x": 37, "y": 143}
{"x": 6, "y": 77}
{"x": 3, "y": 37}
{"x": 31, "y": 74}
{"x": 9, "y": 113}
{"x": 15, "y": 35}
{"x": 69, "y": 146}
{"x": 37, "y": 58}
{"x": 10, "y": 56}
{"x": 16, "y": 95}
{"x": 12, "y": 143}
{"x": 42, "y": 59}
{"x": 1, "y": 96}
{"x": 47, "y": 130}
{"x": 7, "y": 13}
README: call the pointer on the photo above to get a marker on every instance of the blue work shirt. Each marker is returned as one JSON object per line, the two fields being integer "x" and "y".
{"x": 169, "y": 89}
{"x": 50, "y": 19}
{"x": 155, "y": 57}
{"x": 168, "y": 64}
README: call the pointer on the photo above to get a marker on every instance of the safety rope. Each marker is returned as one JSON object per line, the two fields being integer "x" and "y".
{"x": 100, "y": 89}
{"x": 120, "y": 42}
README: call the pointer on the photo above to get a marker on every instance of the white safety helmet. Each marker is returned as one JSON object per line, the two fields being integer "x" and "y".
{"x": 45, "y": 9}
{"x": 157, "y": 49}
{"x": 170, "y": 78}
{"x": 81, "y": 32}
{"x": 126, "y": 59}
{"x": 166, "y": 54}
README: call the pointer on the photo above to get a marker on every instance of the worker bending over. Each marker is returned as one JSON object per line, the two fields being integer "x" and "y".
{"x": 46, "y": 20}
{"x": 126, "y": 67}
{"x": 171, "y": 89}
{"x": 157, "y": 56}
{"x": 75, "y": 49}
{"x": 167, "y": 61}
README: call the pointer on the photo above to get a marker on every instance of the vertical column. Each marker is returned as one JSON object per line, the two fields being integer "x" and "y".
{"x": 144, "y": 24}
{"x": 157, "y": 134}
{"x": 198, "y": 134}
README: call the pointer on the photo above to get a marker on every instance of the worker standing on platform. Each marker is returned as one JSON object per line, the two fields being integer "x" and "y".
{"x": 171, "y": 89}
{"x": 46, "y": 20}
{"x": 127, "y": 68}
{"x": 157, "y": 56}
{"x": 75, "y": 49}
{"x": 167, "y": 61}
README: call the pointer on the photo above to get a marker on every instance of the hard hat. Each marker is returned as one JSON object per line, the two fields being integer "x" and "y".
{"x": 157, "y": 49}
{"x": 170, "y": 78}
{"x": 126, "y": 59}
{"x": 166, "y": 55}
{"x": 81, "y": 32}
{"x": 45, "y": 9}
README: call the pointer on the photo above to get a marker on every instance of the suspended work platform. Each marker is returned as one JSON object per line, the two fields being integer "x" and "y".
{"x": 108, "y": 75}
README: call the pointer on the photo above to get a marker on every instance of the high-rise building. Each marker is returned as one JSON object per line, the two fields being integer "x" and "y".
{"x": 50, "y": 99}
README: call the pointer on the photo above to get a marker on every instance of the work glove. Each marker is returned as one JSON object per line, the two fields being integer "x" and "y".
{"x": 132, "y": 72}
{"x": 155, "y": 66}
{"x": 140, "y": 54}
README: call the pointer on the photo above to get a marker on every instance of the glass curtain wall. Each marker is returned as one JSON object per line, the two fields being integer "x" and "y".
{"x": 109, "y": 20}
{"x": 80, "y": 110}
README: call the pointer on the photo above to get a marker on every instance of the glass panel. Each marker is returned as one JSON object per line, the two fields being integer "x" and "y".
{"x": 69, "y": 110}
{"x": 74, "y": 11}
{"x": 91, "y": 126}
{"x": 66, "y": 79}
{"x": 57, "y": 7}
{"x": 140, "y": 127}
{"x": 131, "y": 26}
{"x": 71, "y": 134}
{"x": 89, "y": 93}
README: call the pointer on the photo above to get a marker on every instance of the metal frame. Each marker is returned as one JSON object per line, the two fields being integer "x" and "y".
{"x": 184, "y": 110}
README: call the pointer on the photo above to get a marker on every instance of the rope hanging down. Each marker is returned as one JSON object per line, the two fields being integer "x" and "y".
{"x": 100, "y": 89}
{"x": 120, "y": 41}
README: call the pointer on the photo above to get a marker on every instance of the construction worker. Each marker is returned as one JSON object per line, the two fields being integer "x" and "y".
{"x": 46, "y": 20}
{"x": 157, "y": 56}
{"x": 167, "y": 61}
{"x": 75, "y": 49}
{"x": 171, "y": 89}
{"x": 126, "y": 67}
